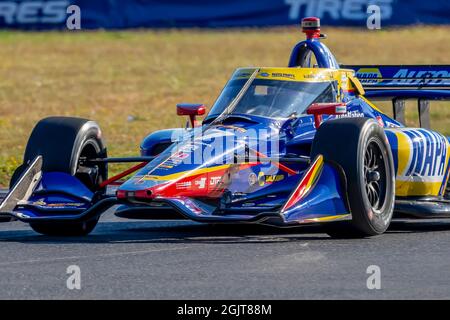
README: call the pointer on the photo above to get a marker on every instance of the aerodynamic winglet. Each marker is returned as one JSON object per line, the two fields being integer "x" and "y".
{"x": 24, "y": 187}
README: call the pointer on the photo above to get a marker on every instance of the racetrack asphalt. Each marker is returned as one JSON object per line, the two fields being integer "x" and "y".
{"x": 130, "y": 259}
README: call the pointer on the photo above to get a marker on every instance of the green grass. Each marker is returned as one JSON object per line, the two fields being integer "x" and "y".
{"x": 109, "y": 76}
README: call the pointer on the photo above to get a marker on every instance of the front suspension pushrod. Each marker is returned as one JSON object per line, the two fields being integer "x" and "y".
{"x": 117, "y": 160}
{"x": 122, "y": 174}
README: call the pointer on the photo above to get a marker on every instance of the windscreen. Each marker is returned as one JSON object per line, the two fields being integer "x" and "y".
{"x": 273, "y": 98}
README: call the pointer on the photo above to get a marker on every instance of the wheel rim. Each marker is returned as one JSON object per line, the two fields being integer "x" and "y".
{"x": 375, "y": 176}
{"x": 88, "y": 174}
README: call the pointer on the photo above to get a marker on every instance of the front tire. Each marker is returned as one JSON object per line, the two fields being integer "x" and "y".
{"x": 62, "y": 141}
{"x": 360, "y": 147}
{"x": 65, "y": 229}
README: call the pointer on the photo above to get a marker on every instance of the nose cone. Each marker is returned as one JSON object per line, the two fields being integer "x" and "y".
{"x": 199, "y": 166}
{"x": 192, "y": 167}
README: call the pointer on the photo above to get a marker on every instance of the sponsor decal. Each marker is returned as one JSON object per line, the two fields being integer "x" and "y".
{"x": 369, "y": 75}
{"x": 380, "y": 121}
{"x": 351, "y": 114}
{"x": 200, "y": 183}
{"x": 264, "y": 179}
{"x": 183, "y": 185}
{"x": 214, "y": 181}
{"x": 166, "y": 166}
{"x": 353, "y": 10}
{"x": 175, "y": 160}
{"x": 283, "y": 75}
{"x": 341, "y": 109}
{"x": 427, "y": 157}
{"x": 392, "y": 125}
{"x": 180, "y": 155}
{"x": 252, "y": 179}
{"x": 414, "y": 77}
{"x": 244, "y": 74}
{"x": 248, "y": 204}
{"x": 33, "y": 12}
{"x": 151, "y": 177}
{"x": 422, "y": 162}
{"x": 42, "y": 203}
{"x": 404, "y": 76}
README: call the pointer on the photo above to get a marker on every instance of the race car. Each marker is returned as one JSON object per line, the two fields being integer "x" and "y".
{"x": 282, "y": 146}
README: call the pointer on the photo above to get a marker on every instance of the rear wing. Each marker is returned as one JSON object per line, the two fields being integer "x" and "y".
{"x": 398, "y": 83}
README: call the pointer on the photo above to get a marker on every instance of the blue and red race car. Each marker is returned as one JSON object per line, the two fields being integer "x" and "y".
{"x": 280, "y": 146}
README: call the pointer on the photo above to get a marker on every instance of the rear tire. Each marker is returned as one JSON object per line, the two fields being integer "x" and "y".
{"x": 62, "y": 141}
{"x": 360, "y": 147}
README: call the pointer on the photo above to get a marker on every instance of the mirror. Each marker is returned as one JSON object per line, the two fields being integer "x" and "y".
{"x": 318, "y": 109}
{"x": 192, "y": 110}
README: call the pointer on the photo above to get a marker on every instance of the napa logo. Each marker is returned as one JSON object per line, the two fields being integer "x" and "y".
{"x": 422, "y": 156}
{"x": 369, "y": 75}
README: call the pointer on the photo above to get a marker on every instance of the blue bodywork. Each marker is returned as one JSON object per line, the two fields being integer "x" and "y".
{"x": 58, "y": 194}
{"x": 163, "y": 138}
